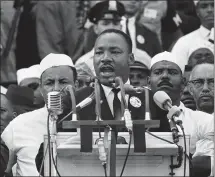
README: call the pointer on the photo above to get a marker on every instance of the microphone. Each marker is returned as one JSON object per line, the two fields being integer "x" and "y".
{"x": 165, "y": 103}
{"x": 54, "y": 103}
{"x": 127, "y": 114}
{"x": 129, "y": 89}
{"x": 102, "y": 152}
{"x": 70, "y": 89}
{"x": 85, "y": 102}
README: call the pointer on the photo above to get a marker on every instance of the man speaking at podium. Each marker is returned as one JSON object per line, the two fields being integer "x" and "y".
{"x": 112, "y": 58}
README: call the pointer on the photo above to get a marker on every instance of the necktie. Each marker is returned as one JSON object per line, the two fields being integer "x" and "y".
{"x": 211, "y": 37}
{"x": 116, "y": 105}
{"x": 127, "y": 30}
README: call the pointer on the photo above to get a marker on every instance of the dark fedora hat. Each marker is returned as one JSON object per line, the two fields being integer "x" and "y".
{"x": 21, "y": 98}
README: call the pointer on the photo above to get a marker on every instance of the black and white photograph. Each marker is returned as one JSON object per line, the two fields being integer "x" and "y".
{"x": 107, "y": 88}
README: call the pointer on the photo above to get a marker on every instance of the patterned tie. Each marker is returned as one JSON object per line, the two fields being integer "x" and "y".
{"x": 116, "y": 105}
{"x": 127, "y": 30}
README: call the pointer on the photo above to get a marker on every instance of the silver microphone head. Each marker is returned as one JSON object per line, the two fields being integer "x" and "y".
{"x": 54, "y": 102}
{"x": 161, "y": 98}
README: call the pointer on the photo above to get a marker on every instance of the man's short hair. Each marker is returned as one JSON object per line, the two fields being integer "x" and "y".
{"x": 124, "y": 35}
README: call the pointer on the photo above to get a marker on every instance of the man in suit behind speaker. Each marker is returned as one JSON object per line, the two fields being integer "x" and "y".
{"x": 142, "y": 37}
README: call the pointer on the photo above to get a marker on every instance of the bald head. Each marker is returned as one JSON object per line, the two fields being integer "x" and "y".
{"x": 204, "y": 70}
{"x": 201, "y": 86}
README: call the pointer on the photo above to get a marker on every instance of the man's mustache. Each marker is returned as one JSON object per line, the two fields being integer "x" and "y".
{"x": 165, "y": 83}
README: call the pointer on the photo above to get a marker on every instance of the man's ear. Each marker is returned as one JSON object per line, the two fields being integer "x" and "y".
{"x": 190, "y": 89}
{"x": 131, "y": 59}
{"x": 15, "y": 114}
{"x": 149, "y": 81}
{"x": 76, "y": 84}
{"x": 183, "y": 85}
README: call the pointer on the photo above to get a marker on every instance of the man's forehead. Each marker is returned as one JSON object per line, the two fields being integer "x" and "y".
{"x": 110, "y": 40}
{"x": 28, "y": 81}
{"x": 111, "y": 36}
{"x": 203, "y": 71}
{"x": 165, "y": 65}
{"x": 4, "y": 101}
{"x": 58, "y": 71}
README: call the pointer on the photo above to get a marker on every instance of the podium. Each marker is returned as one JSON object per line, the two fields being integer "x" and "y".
{"x": 155, "y": 161}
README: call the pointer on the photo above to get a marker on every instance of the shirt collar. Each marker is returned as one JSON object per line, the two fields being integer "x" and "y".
{"x": 108, "y": 90}
{"x": 132, "y": 20}
{"x": 204, "y": 31}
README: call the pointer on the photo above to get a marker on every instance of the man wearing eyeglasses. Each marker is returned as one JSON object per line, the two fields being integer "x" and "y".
{"x": 201, "y": 87}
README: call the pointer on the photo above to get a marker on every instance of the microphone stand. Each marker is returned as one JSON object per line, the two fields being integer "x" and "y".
{"x": 53, "y": 142}
{"x": 147, "y": 108}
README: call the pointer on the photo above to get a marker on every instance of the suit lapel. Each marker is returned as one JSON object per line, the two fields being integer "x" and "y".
{"x": 136, "y": 106}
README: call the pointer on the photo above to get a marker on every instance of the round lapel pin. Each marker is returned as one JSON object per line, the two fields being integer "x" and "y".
{"x": 140, "y": 39}
{"x": 135, "y": 102}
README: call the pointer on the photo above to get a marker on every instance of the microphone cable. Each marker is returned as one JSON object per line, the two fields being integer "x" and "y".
{"x": 186, "y": 155}
{"x": 98, "y": 116}
{"x": 128, "y": 151}
{"x": 49, "y": 144}
{"x": 185, "y": 151}
{"x": 50, "y": 150}
{"x": 41, "y": 166}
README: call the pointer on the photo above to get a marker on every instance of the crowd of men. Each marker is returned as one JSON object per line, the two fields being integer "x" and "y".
{"x": 158, "y": 44}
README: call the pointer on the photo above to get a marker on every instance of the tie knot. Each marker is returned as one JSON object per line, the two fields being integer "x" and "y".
{"x": 115, "y": 90}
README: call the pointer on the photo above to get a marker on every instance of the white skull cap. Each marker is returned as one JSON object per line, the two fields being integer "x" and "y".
{"x": 167, "y": 56}
{"x": 53, "y": 60}
{"x": 25, "y": 73}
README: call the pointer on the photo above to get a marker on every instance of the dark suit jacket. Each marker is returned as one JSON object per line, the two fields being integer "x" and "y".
{"x": 151, "y": 44}
{"x": 88, "y": 113}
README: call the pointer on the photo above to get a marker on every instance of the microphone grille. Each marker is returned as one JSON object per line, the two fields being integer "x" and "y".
{"x": 55, "y": 102}
{"x": 160, "y": 98}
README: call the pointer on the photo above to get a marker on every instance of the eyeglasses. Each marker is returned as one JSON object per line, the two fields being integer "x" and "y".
{"x": 199, "y": 83}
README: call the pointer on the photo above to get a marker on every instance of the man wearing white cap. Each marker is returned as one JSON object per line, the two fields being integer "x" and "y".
{"x": 205, "y": 34}
{"x": 139, "y": 70}
{"x": 56, "y": 72}
{"x": 200, "y": 54}
{"x": 30, "y": 77}
{"x": 167, "y": 75}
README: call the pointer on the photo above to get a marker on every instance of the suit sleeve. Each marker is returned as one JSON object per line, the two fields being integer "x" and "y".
{"x": 49, "y": 29}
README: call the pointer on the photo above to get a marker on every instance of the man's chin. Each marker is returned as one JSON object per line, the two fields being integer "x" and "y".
{"x": 106, "y": 80}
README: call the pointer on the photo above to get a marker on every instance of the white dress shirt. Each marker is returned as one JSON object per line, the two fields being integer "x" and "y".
{"x": 131, "y": 29}
{"x": 200, "y": 126}
{"x": 185, "y": 43}
{"x": 110, "y": 96}
{"x": 23, "y": 136}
